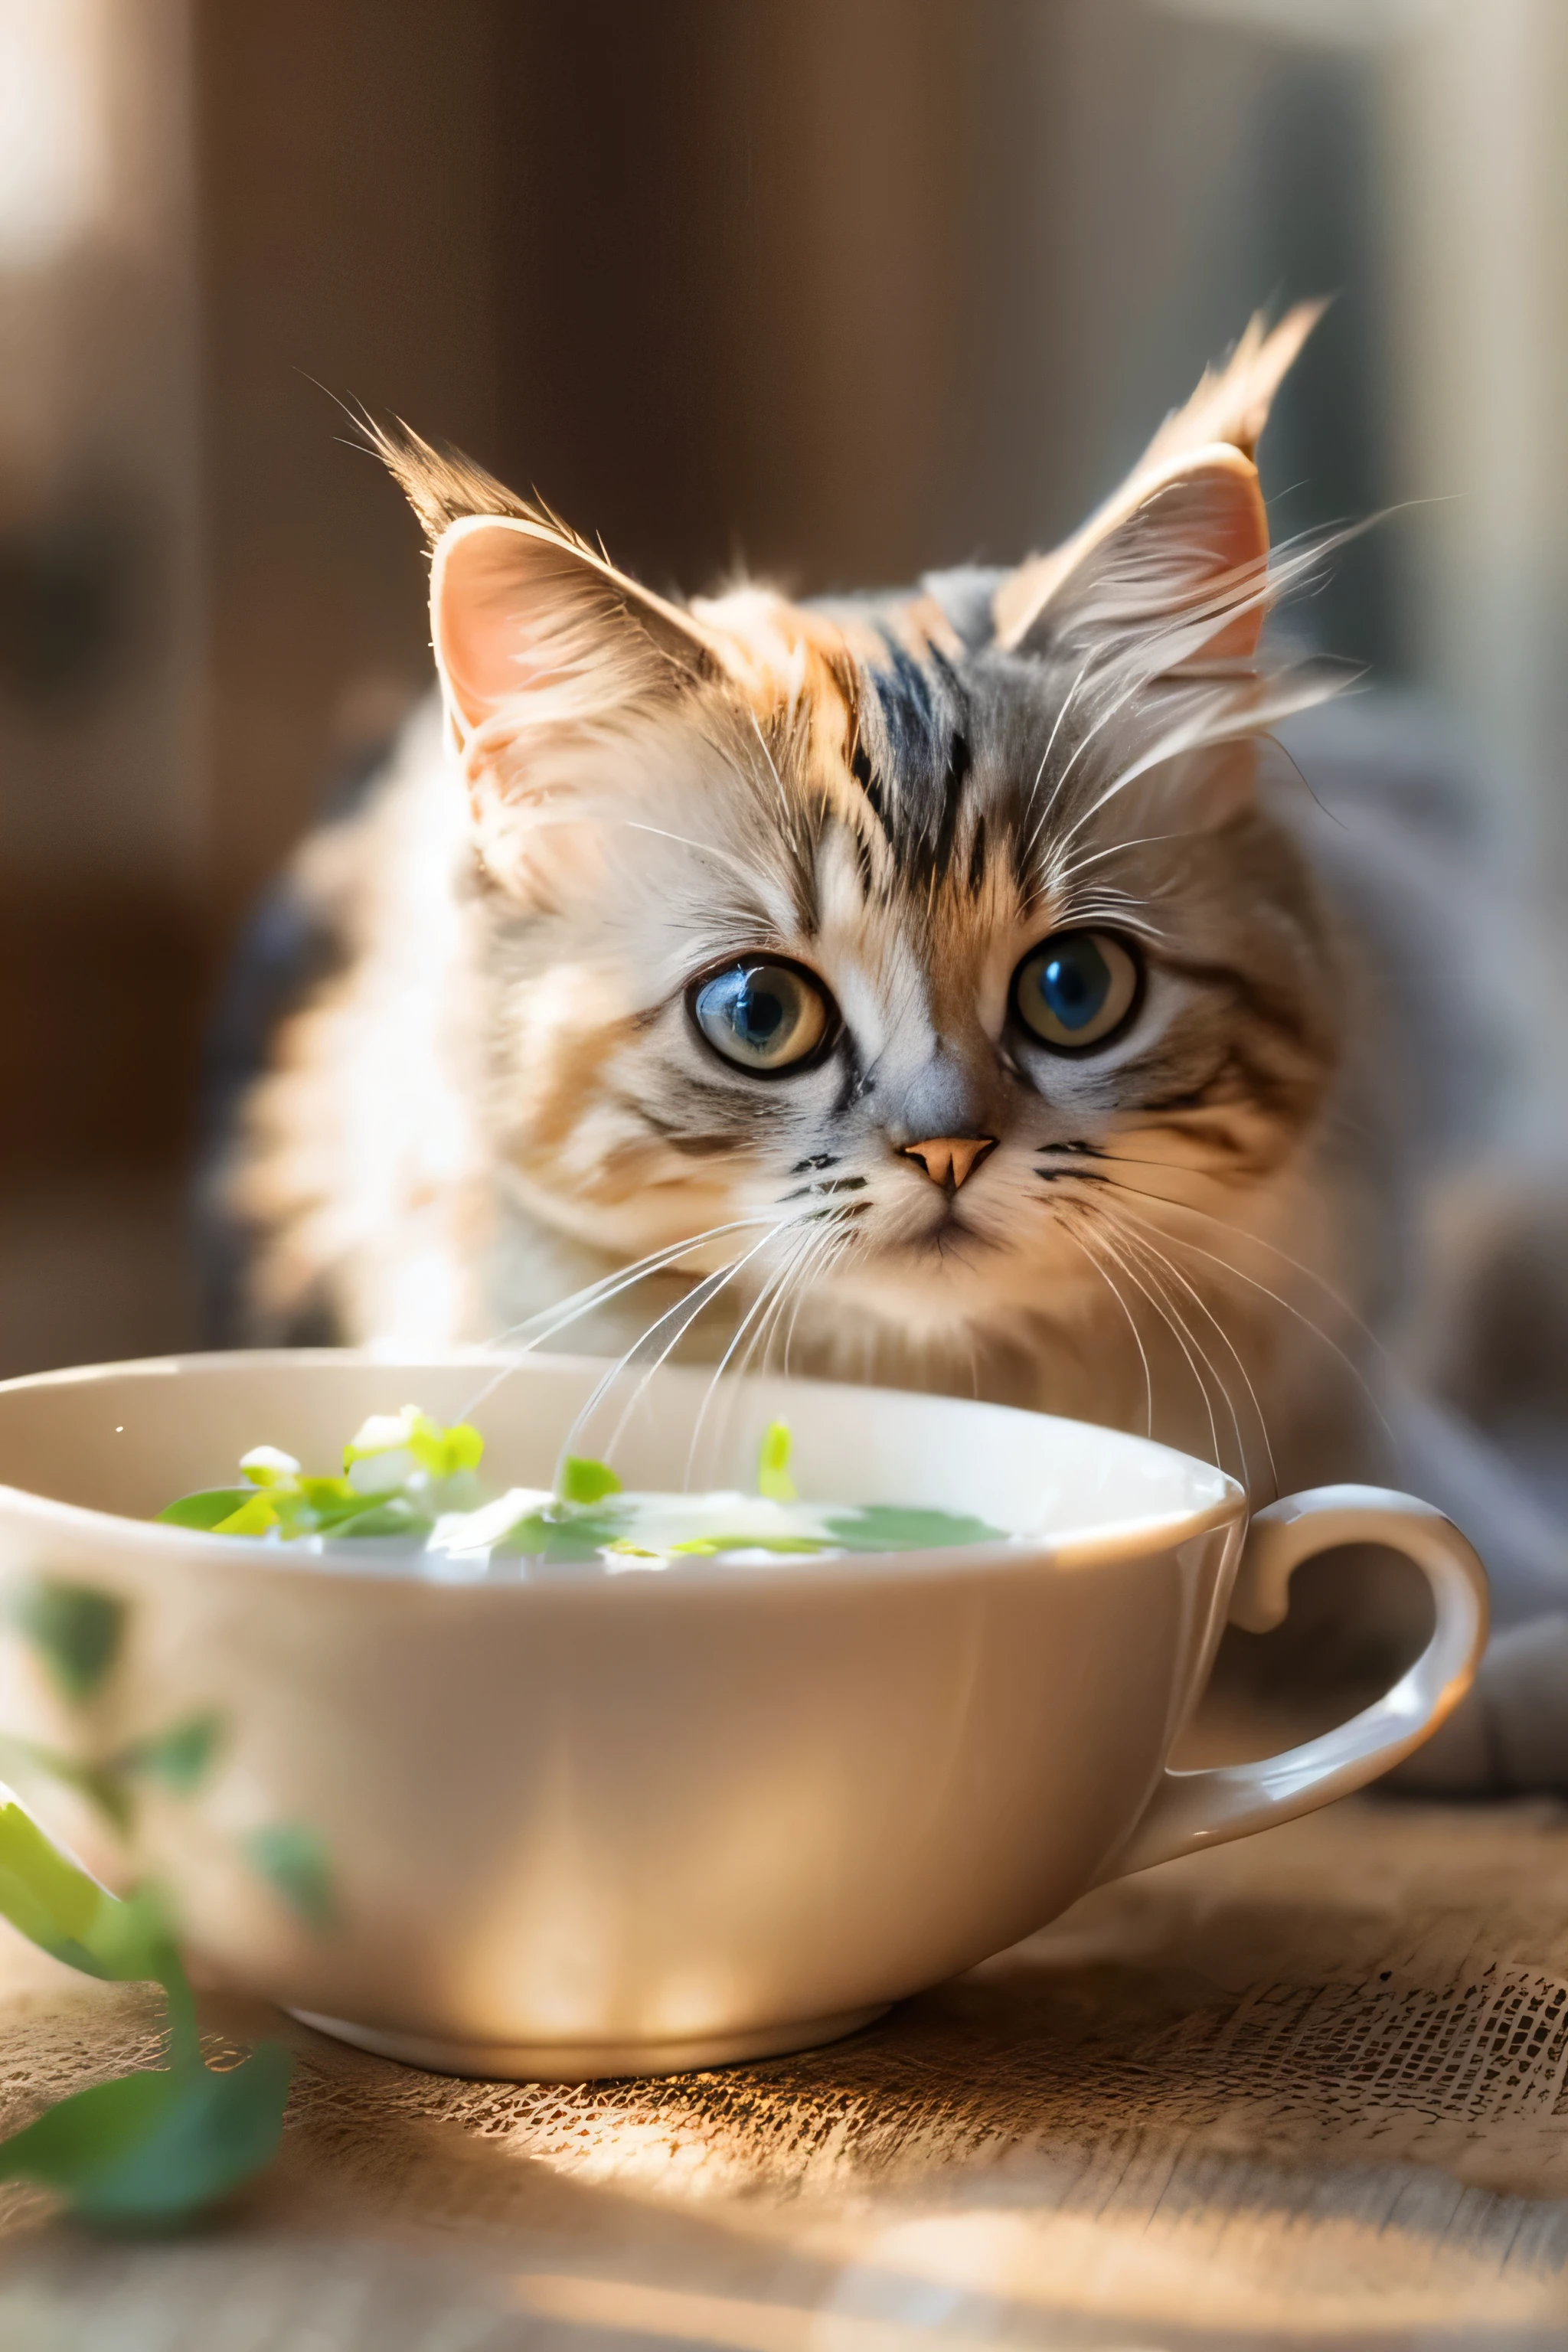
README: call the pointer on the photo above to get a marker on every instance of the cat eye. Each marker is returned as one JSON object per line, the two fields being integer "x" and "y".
{"x": 762, "y": 1016}
{"x": 1076, "y": 989}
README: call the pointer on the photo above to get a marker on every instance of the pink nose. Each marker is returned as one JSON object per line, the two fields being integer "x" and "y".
{"x": 951, "y": 1160}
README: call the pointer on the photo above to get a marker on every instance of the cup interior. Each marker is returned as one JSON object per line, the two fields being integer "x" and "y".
{"x": 125, "y": 1439}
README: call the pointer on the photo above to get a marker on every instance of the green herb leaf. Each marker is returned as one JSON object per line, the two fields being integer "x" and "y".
{"x": 208, "y": 1508}
{"x": 754, "y": 1543}
{"x": 773, "y": 1480}
{"x": 527, "y": 1536}
{"x": 557, "y": 1541}
{"x": 155, "y": 2147}
{"x": 326, "y": 1496}
{"x": 291, "y": 1514}
{"x": 292, "y": 1858}
{"x": 329, "y": 1504}
{"x": 445, "y": 1452}
{"x": 583, "y": 1480}
{"x": 75, "y": 1628}
{"x": 255, "y": 1515}
{"x": 380, "y": 1514}
{"x": 887, "y": 1527}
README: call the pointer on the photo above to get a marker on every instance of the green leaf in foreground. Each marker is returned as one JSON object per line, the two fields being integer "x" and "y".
{"x": 291, "y": 1857}
{"x": 583, "y": 1480}
{"x": 773, "y": 1480}
{"x": 76, "y": 1630}
{"x": 52, "y": 1901}
{"x": 44, "y": 1893}
{"x": 155, "y": 2147}
{"x": 889, "y": 1526}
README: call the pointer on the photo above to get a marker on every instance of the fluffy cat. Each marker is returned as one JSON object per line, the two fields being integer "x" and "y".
{"x": 961, "y": 968}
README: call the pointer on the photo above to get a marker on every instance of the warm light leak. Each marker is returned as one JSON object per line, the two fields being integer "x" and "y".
{"x": 55, "y": 129}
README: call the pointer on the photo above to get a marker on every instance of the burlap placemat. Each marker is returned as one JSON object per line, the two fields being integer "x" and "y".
{"x": 1309, "y": 2088}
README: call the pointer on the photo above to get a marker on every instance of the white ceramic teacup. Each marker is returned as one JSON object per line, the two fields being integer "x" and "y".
{"x": 587, "y": 1824}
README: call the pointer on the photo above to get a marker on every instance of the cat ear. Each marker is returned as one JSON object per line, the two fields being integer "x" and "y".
{"x": 1183, "y": 545}
{"x": 523, "y": 612}
{"x": 1183, "y": 550}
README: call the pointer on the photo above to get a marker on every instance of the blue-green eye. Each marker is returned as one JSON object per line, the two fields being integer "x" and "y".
{"x": 762, "y": 1016}
{"x": 1076, "y": 988}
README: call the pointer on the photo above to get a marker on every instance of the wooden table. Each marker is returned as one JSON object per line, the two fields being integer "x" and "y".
{"x": 1309, "y": 2089}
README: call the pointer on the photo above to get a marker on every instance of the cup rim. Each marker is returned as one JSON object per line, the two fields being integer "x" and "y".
{"x": 1079, "y": 1547}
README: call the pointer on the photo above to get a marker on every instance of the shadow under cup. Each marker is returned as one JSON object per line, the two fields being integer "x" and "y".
{"x": 578, "y": 1824}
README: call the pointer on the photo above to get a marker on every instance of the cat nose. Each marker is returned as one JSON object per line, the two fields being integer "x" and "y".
{"x": 951, "y": 1160}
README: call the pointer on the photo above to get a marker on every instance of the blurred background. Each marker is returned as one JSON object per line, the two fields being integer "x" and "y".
{"x": 840, "y": 288}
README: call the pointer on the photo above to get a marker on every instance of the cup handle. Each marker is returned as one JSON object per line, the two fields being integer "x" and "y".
{"x": 1191, "y": 1810}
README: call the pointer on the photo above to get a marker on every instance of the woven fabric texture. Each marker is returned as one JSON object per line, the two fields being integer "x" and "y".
{"x": 1311, "y": 2089}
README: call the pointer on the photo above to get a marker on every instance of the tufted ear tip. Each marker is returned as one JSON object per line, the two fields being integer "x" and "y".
{"x": 1209, "y": 444}
{"x": 1233, "y": 400}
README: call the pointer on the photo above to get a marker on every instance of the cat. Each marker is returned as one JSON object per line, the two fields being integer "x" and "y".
{"x": 953, "y": 988}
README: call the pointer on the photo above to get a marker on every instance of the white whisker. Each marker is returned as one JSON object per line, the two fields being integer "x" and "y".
{"x": 1085, "y": 1246}
{"x": 1125, "y": 1220}
{"x": 1191, "y": 1209}
{"x": 1177, "y": 1242}
{"x": 758, "y": 1307}
{"x": 534, "y": 1329}
{"x": 1152, "y": 1293}
{"x": 683, "y": 1315}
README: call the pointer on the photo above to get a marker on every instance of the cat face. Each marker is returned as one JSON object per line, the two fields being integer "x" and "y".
{"x": 897, "y": 947}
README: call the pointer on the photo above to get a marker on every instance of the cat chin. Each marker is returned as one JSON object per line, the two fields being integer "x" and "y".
{"x": 940, "y": 1292}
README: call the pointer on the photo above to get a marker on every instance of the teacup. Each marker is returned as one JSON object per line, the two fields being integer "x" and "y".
{"x": 581, "y": 1824}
